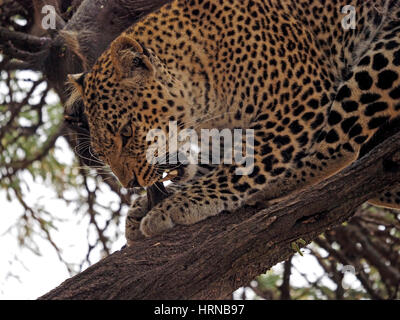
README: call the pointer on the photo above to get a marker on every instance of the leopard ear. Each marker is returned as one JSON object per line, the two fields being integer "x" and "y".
{"x": 76, "y": 84}
{"x": 77, "y": 81}
{"x": 128, "y": 56}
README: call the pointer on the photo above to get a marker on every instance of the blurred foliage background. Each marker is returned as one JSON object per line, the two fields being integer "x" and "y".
{"x": 34, "y": 149}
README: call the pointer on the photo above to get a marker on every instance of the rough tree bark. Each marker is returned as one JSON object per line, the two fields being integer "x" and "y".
{"x": 211, "y": 259}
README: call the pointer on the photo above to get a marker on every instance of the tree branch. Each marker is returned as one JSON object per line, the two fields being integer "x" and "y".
{"x": 23, "y": 38}
{"x": 99, "y": 22}
{"x": 285, "y": 287}
{"x": 211, "y": 259}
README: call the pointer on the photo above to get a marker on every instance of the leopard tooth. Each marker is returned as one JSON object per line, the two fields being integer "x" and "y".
{"x": 170, "y": 175}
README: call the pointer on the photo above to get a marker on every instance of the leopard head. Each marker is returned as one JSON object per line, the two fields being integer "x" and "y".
{"x": 128, "y": 94}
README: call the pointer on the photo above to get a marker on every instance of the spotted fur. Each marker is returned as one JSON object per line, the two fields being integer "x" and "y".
{"x": 314, "y": 93}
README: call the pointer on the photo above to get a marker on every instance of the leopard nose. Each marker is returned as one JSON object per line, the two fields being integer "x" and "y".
{"x": 134, "y": 182}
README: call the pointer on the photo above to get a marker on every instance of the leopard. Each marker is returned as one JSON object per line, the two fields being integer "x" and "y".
{"x": 315, "y": 84}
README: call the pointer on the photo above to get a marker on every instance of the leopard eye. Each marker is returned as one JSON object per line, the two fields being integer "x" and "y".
{"x": 136, "y": 62}
{"x": 126, "y": 133}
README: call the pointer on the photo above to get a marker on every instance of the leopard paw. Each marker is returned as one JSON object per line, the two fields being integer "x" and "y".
{"x": 135, "y": 214}
{"x": 155, "y": 222}
{"x": 176, "y": 210}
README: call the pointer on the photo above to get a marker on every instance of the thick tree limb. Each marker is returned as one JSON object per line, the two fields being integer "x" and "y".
{"x": 211, "y": 259}
{"x": 98, "y": 22}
